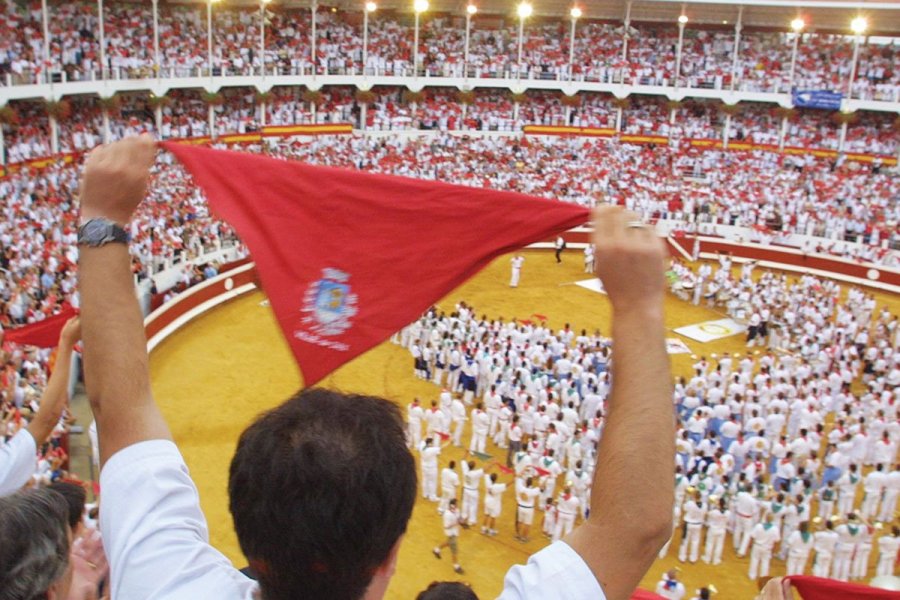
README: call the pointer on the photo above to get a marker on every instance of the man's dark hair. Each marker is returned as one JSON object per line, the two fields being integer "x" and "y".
{"x": 447, "y": 590}
{"x": 321, "y": 488}
{"x": 75, "y": 496}
{"x": 34, "y": 552}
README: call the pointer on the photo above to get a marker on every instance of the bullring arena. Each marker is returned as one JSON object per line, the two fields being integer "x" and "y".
{"x": 768, "y": 167}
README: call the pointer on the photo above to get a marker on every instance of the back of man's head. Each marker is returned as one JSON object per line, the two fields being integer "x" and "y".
{"x": 321, "y": 489}
{"x": 447, "y": 590}
{"x": 34, "y": 551}
{"x": 75, "y": 496}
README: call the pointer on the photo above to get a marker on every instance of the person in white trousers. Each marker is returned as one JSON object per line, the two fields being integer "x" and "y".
{"x": 848, "y": 536}
{"x": 764, "y": 536}
{"x": 567, "y": 506}
{"x": 471, "y": 482}
{"x": 449, "y": 485}
{"x": 429, "y": 452}
{"x": 888, "y": 545}
{"x": 860, "y": 563}
{"x": 694, "y": 517}
{"x": 481, "y": 421}
{"x": 824, "y": 543}
{"x": 516, "y": 262}
{"x": 716, "y": 522}
{"x": 891, "y": 492}
{"x": 799, "y": 545}
{"x": 745, "y": 508}
{"x": 493, "y": 503}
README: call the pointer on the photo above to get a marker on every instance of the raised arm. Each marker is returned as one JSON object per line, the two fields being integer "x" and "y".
{"x": 56, "y": 394}
{"x": 115, "y": 349}
{"x": 632, "y": 492}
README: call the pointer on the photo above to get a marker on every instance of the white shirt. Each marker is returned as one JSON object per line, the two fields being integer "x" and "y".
{"x": 18, "y": 462}
{"x": 555, "y": 573}
{"x": 429, "y": 456}
{"x": 449, "y": 480}
{"x": 763, "y": 537}
{"x": 154, "y": 532}
{"x": 451, "y": 523}
{"x": 797, "y": 546}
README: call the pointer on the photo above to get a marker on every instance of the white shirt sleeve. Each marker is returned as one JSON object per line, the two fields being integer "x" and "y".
{"x": 155, "y": 534}
{"x": 555, "y": 573}
{"x": 18, "y": 462}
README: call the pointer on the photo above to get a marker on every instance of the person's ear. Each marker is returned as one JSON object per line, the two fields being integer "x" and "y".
{"x": 53, "y": 592}
{"x": 389, "y": 566}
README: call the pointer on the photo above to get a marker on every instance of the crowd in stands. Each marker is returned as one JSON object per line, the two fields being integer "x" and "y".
{"x": 185, "y": 114}
{"x": 773, "y": 448}
{"x": 769, "y": 192}
{"x": 823, "y": 59}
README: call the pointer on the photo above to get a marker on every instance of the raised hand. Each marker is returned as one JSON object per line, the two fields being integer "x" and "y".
{"x": 115, "y": 178}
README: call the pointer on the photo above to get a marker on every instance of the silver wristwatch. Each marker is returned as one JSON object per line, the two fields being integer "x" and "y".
{"x": 100, "y": 231}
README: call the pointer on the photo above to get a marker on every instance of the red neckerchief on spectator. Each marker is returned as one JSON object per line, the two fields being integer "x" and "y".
{"x": 818, "y": 588}
{"x": 346, "y": 257}
{"x": 43, "y": 334}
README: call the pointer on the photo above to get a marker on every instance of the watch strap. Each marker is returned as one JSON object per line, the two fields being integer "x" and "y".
{"x": 101, "y": 231}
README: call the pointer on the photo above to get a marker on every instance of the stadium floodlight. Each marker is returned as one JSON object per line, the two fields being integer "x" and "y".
{"x": 369, "y": 7}
{"x": 471, "y": 9}
{"x": 682, "y": 19}
{"x": 575, "y": 13}
{"x": 798, "y": 24}
{"x": 524, "y": 10}
{"x": 859, "y": 25}
{"x": 419, "y": 6}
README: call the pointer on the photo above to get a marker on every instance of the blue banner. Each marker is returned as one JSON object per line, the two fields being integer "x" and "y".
{"x": 824, "y": 99}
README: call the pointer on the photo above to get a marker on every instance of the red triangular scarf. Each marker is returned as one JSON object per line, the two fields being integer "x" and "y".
{"x": 818, "y": 588}
{"x": 43, "y": 334}
{"x": 640, "y": 594}
{"x": 346, "y": 257}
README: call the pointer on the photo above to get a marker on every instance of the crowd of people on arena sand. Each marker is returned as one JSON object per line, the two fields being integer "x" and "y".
{"x": 772, "y": 446}
{"x": 764, "y": 58}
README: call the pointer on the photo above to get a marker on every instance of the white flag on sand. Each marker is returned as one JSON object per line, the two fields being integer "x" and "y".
{"x": 712, "y": 330}
{"x": 595, "y": 285}
{"x": 676, "y": 346}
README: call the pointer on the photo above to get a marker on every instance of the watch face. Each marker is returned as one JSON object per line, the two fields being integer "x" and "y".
{"x": 94, "y": 230}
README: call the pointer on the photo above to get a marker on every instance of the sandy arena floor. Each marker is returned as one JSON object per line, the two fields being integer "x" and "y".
{"x": 212, "y": 377}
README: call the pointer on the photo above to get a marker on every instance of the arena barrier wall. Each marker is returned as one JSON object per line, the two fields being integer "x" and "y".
{"x": 781, "y": 258}
{"x": 196, "y": 300}
{"x": 240, "y": 277}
